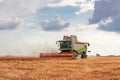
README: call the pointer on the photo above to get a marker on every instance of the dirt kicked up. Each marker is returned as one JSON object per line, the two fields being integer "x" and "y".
{"x": 93, "y": 68}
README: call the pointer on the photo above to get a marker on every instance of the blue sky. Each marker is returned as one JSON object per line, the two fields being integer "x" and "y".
{"x": 67, "y": 13}
{"x": 26, "y": 26}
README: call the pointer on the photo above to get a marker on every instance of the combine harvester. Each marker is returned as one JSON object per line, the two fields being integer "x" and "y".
{"x": 70, "y": 47}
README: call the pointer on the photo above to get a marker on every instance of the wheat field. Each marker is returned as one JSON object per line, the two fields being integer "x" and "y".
{"x": 92, "y": 68}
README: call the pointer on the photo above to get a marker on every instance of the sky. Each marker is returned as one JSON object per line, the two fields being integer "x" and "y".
{"x": 30, "y": 27}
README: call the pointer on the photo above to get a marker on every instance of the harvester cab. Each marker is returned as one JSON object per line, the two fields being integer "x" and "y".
{"x": 69, "y": 47}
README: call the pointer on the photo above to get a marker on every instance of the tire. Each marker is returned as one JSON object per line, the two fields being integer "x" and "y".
{"x": 83, "y": 55}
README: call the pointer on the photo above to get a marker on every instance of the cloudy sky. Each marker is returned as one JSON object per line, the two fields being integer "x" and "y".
{"x": 28, "y": 27}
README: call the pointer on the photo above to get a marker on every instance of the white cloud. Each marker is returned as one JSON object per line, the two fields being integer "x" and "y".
{"x": 106, "y": 21}
{"x": 33, "y": 42}
{"x": 63, "y": 3}
{"x": 55, "y": 24}
{"x": 13, "y": 8}
{"x": 84, "y": 5}
{"x": 10, "y": 23}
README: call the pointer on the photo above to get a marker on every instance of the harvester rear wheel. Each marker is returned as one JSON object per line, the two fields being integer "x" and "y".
{"x": 84, "y": 55}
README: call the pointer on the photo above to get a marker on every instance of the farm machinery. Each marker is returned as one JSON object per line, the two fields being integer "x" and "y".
{"x": 69, "y": 47}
